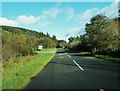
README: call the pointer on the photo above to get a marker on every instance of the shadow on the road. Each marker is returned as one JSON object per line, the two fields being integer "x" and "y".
{"x": 60, "y": 52}
{"x": 102, "y": 67}
{"x": 76, "y": 53}
{"x": 62, "y": 63}
{"x": 71, "y": 51}
{"x": 92, "y": 66}
{"x": 81, "y": 54}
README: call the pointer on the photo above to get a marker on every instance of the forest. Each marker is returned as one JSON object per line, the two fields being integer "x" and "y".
{"x": 18, "y": 42}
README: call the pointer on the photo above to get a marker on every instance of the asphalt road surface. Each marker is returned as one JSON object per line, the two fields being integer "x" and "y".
{"x": 74, "y": 71}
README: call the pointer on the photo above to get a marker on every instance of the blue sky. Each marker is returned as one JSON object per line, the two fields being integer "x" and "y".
{"x": 63, "y": 19}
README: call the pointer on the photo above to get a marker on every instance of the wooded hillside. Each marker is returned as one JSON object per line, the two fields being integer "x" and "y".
{"x": 22, "y": 42}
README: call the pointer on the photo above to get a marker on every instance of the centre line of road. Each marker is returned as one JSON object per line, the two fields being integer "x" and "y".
{"x": 78, "y": 65}
{"x": 69, "y": 56}
{"x": 101, "y": 89}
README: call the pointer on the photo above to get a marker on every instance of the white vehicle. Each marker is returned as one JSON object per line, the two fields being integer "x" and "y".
{"x": 40, "y": 47}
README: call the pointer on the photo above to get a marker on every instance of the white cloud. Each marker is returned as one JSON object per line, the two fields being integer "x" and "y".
{"x": 44, "y": 24}
{"x": 47, "y": 15}
{"x": 70, "y": 14}
{"x": 5, "y": 21}
{"x": 73, "y": 32}
{"x": 89, "y": 13}
{"x": 52, "y": 12}
{"x": 26, "y": 20}
{"x": 86, "y": 16}
{"x": 82, "y": 19}
{"x": 18, "y": 21}
{"x": 110, "y": 10}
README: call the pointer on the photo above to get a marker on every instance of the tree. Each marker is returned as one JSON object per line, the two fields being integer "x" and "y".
{"x": 18, "y": 41}
{"x": 47, "y": 42}
{"x": 55, "y": 39}
{"x": 71, "y": 39}
{"x": 94, "y": 31}
{"x": 48, "y": 35}
{"x": 8, "y": 51}
{"x": 62, "y": 43}
{"x": 102, "y": 34}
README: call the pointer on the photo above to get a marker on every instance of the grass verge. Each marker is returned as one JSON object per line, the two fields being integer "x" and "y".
{"x": 85, "y": 53}
{"x": 109, "y": 58}
{"x": 49, "y": 50}
{"x": 105, "y": 57}
{"x": 16, "y": 74}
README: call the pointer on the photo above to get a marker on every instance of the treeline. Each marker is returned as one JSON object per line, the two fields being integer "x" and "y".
{"x": 102, "y": 36}
{"x": 61, "y": 44}
{"x": 22, "y": 42}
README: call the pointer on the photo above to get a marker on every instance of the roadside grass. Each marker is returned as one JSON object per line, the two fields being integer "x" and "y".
{"x": 85, "y": 53}
{"x": 109, "y": 58}
{"x": 49, "y": 49}
{"x": 16, "y": 74}
{"x": 105, "y": 57}
{"x": 46, "y": 50}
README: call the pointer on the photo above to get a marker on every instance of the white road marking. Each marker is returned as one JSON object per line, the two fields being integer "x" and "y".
{"x": 69, "y": 56}
{"x": 101, "y": 89}
{"x": 65, "y": 53}
{"x": 78, "y": 65}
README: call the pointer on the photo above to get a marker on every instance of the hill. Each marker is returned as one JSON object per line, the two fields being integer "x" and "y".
{"x": 18, "y": 41}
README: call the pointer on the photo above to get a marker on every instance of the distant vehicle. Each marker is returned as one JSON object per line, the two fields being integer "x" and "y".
{"x": 40, "y": 47}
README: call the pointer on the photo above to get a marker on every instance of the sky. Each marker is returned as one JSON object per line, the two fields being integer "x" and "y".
{"x": 63, "y": 19}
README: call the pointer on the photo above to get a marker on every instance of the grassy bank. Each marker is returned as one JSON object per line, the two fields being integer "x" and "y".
{"x": 109, "y": 58}
{"x": 49, "y": 50}
{"x": 105, "y": 57}
{"x": 17, "y": 73}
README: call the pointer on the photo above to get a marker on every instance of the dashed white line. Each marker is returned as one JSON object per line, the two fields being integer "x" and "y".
{"x": 69, "y": 56}
{"x": 78, "y": 65}
{"x": 101, "y": 89}
{"x": 65, "y": 53}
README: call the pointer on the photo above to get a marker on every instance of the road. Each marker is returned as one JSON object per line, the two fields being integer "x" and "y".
{"x": 74, "y": 71}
